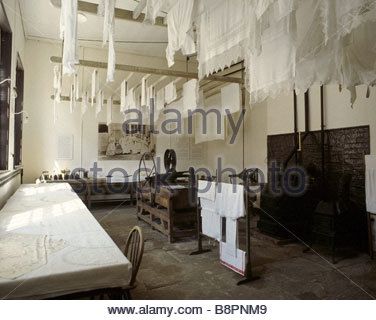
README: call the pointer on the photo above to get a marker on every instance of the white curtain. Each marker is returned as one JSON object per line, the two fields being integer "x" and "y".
{"x": 289, "y": 44}
{"x": 106, "y": 8}
{"x": 179, "y": 29}
{"x": 223, "y": 27}
{"x": 68, "y": 33}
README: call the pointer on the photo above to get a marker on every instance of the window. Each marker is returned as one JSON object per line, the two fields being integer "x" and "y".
{"x": 18, "y": 114}
{"x": 5, "y": 71}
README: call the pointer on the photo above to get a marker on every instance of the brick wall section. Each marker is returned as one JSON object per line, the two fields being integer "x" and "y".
{"x": 344, "y": 153}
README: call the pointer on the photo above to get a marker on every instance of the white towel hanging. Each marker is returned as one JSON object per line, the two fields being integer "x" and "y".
{"x": 76, "y": 87}
{"x": 123, "y": 95}
{"x": 99, "y": 103}
{"x": 84, "y": 103}
{"x": 179, "y": 26}
{"x": 230, "y": 98}
{"x": 57, "y": 83}
{"x": 68, "y": 33}
{"x": 170, "y": 92}
{"x": 190, "y": 96}
{"x": 94, "y": 86}
{"x": 72, "y": 99}
{"x": 109, "y": 111}
{"x": 106, "y": 8}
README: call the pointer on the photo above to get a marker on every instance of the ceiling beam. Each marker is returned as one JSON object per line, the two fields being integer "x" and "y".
{"x": 123, "y": 14}
{"x": 162, "y": 72}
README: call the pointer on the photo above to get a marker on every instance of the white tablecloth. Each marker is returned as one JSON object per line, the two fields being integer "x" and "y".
{"x": 61, "y": 246}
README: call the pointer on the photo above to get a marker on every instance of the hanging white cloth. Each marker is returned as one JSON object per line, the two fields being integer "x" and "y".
{"x": 231, "y": 98}
{"x": 72, "y": 103}
{"x": 84, "y": 102}
{"x": 190, "y": 96}
{"x": 94, "y": 86}
{"x": 272, "y": 74}
{"x": 160, "y": 103}
{"x": 55, "y": 111}
{"x": 222, "y": 32}
{"x": 130, "y": 103}
{"x": 337, "y": 45}
{"x": 179, "y": 25}
{"x": 106, "y": 8}
{"x": 123, "y": 95}
{"x": 99, "y": 103}
{"x": 340, "y": 17}
{"x": 170, "y": 92}
{"x": 144, "y": 93}
{"x": 210, "y": 126}
{"x": 154, "y": 7}
{"x": 68, "y": 33}
{"x": 109, "y": 111}
{"x": 76, "y": 87}
{"x": 57, "y": 83}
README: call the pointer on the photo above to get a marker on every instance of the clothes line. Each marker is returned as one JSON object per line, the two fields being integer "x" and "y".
{"x": 163, "y": 72}
{"x": 67, "y": 98}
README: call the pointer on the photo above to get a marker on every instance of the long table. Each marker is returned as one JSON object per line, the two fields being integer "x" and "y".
{"x": 51, "y": 245}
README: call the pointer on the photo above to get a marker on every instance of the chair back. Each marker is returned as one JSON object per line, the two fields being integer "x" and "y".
{"x": 134, "y": 249}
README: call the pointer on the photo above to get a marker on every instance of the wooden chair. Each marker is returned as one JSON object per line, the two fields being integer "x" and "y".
{"x": 134, "y": 249}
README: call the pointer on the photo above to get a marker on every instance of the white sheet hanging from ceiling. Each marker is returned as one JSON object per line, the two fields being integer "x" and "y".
{"x": 340, "y": 17}
{"x": 76, "y": 87}
{"x": 123, "y": 95}
{"x": 72, "y": 97}
{"x": 68, "y": 33}
{"x": 94, "y": 86}
{"x": 270, "y": 73}
{"x": 179, "y": 29}
{"x": 99, "y": 102}
{"x": 155, "y": 7}
{"x": 223, "y": 28}
{"x": 109, "y": 111}
{"x": 231, "y": 98}
{"x": 84, "y": 102}
{"x": 57, "y": 83}
{"x": 211, "y": 125}
{"x": 170, "y": 94}
{"x": 328, "y": 53}
{"x": 106, "y": 8}
{"x": 190, "y": 96}
{"x": 144, "y": 92}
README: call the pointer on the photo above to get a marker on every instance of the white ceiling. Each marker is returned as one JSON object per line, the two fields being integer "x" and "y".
{"x": 41, "y": 20}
